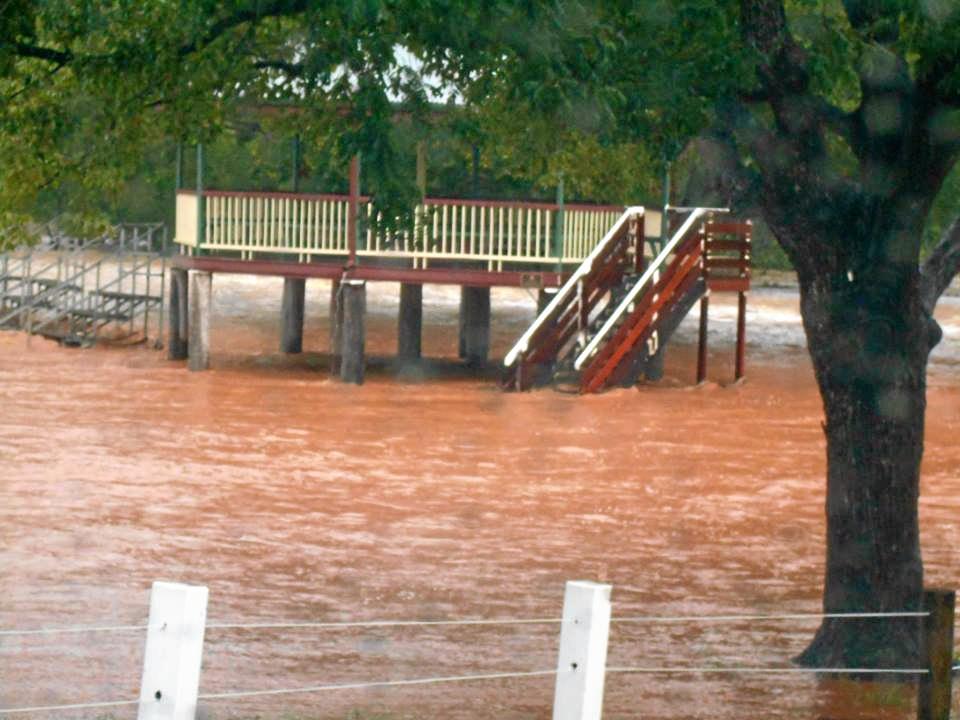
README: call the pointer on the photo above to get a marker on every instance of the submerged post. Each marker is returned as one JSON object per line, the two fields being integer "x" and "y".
{"x": 739, "y": 369}
{"x": 474, "y": 324}
{"x": 177, "y": 325}
{"x": 936, "y": 687}
{"x": 174, "y": 651}
{"x": 702, "y": 342}
{"x": 201, "y": 290}
{"x": 410, "y": 322}
{"x": 291, "y": 315}
{"x": 336, "y": 326}
{"x": 581, "y": 665}
{"x": 353, "y": 297}
{"x": 544, "y": 297}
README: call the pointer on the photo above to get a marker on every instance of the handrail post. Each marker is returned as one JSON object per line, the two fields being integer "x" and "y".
{"x": 582, "y": 660}
{"x": 173, "y": 654}
{"x": 936, "y": 645}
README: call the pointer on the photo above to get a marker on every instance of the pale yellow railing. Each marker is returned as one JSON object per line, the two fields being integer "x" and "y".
{"x": 493, "y": 232}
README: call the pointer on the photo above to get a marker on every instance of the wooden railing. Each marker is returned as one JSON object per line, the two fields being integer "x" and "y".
{"x": 486, "y": 231}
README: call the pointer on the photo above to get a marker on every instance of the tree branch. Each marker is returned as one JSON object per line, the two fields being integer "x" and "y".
{"x": 59, "y": 57}
{"x": 782, "y": 67}
{"x": 277, "y": 8}
{"x": 941, "y": 267}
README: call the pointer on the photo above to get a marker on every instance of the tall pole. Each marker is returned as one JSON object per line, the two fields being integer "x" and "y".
{"x": 422, "y": 168}
{"x": 475, "y": 179}
{"x": 558, "y": 230}
{"x": 201, "y": 208}
{"x": 295, "y": 178}
{"x": 354, "y": 214}
{"x": 179, "y": 180}
{"x": 664, "y": 224}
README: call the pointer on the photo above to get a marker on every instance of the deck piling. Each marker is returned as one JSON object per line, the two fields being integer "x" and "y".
{"x": 177, "y": 314}
{"x": 410, "y": 322}
{"x": 702, "y": 339}
{"x": 201, "y": 287}
{"x": 291, "y": 315}
{"x": 353, "y": 301}
{"x": 544, "y": 296}
{"x": 653, "y": 368}
{"x": 475, "y": 324}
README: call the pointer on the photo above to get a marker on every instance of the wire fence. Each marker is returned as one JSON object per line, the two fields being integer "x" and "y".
{"x": 575, "y": 622}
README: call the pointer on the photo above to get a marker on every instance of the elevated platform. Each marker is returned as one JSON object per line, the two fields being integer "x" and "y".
{"x": 580, "y": 258}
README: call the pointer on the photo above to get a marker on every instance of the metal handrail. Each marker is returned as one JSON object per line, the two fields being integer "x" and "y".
{"x": 649, "y": 273}
{"x": 570, "y": 285}
{"x": 141, "y": 261}
{"x": 48, "y": 293}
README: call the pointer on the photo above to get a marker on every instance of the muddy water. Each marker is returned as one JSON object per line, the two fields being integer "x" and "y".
{"x": 429, "y": 494}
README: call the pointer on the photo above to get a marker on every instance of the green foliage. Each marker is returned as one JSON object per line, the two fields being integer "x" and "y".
{"x": 601, "y": 92}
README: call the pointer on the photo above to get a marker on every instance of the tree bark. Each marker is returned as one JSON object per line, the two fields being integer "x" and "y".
{"x": 869, "y": 338}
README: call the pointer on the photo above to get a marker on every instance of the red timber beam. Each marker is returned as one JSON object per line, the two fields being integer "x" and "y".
{"x": 334, "y": 271}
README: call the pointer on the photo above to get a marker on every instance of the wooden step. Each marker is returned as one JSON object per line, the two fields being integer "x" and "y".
{"x": 94, "y": 315}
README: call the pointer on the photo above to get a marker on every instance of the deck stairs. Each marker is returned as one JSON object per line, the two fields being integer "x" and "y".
{"x": 619, "y": 308}
{"x": 80, "y": 292}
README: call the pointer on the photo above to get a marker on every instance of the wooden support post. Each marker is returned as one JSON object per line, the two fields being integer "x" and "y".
{"x": 177, "y": 304}
{"x": 336, "y": 327}
{"x": 462, "y": 326}
{"x": 702, "y": 346}
{"x": 581, "y": 665}
{"x": 544, "y": 297}
{"x": 201, "y": 290}
{"x": 410, "y": 322}
{"x": 936, "y": 687}
{"x": 353, "y": 214}
{"x": 171, "y": 661}
{"x": 291, "y": 315}
{"x": 653, "y": 368}
{"x": 741, "y": 335}
{"x": 475, "y": 324}
{"x": 353, "y": 297}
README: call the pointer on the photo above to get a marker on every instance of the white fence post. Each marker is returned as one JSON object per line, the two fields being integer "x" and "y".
{"x": 583, "y": 652}
{"x": 171, "y": 662}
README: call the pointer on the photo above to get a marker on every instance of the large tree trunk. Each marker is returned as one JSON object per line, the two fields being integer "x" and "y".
{"x": 869, "y": 339}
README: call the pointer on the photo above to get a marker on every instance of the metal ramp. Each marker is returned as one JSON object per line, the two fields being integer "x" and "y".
{"x": 79, "y": 292}
{"x": 617, "y": 311}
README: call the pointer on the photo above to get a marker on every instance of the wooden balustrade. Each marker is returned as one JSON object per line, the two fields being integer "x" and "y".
{"x": 492, "y": 232}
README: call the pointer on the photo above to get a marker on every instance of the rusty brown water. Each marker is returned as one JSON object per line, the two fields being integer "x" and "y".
{"x": 429, "y": 495}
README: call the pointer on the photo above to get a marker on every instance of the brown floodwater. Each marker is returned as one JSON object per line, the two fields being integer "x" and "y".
{"x": 426, "y": 494}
